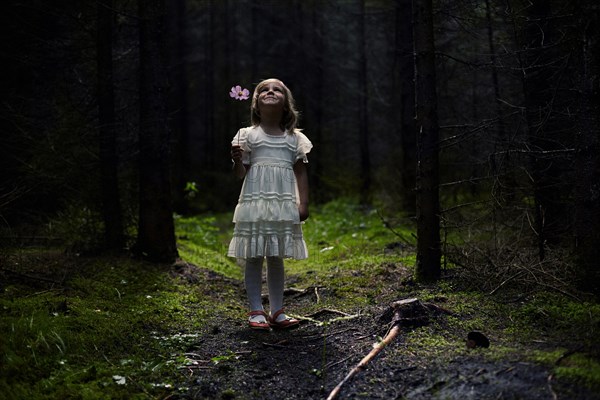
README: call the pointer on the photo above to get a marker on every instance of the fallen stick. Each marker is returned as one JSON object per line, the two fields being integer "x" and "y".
{"x": 391, "y": 335}
{"x": 406, "y": 312}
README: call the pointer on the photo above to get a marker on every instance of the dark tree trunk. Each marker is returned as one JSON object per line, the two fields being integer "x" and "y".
{"x": 405, "y": 101}
{"x": 179, "y": 103}
{"x": 365, "y": 154}
{"x": 156, "y": 236}
{"x": 428, "y": 205}
{"x": 541, "y": 80}
{"x": 587, "y": 185}
{"x": 111, "y": 205}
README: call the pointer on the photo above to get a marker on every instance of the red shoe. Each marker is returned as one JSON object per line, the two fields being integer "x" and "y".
{"x": 286, "y": 323}
{"x": 259, "y": 326}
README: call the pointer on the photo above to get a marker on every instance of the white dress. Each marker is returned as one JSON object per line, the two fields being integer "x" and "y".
{"x": 266, "y": 218}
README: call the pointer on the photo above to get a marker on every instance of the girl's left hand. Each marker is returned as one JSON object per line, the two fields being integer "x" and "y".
{"x": 303, "y": 211}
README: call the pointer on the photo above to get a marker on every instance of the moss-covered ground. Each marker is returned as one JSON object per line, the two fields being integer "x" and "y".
{"x": 113, "y": 327}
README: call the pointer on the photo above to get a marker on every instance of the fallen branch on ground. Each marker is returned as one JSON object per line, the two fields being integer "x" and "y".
{"x": 321, "y": 323}
{"x": 327, "y": 310}
{"x": 391, "y": 335}
{"x": 407, "y": 312}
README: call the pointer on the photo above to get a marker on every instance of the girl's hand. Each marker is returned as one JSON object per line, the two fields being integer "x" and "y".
{"x": 303, "y": 211}
{"x": 236, "y": 154}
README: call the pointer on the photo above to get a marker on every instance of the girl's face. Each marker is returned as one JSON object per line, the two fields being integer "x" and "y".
{"x": 271, "y": 94}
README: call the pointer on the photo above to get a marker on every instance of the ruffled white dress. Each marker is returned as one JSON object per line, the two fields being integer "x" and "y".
{"x": 266, "y": 218}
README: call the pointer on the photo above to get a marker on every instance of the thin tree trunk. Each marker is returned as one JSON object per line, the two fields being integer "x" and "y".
{"x": 179, "y": 104}
{"x": 363, "y": 117}
{"x": 156, "y": 236}
{"x": 405, "y": 89}
{"x": 587, "y": 186}
{"x": 111, "y": 205}
{"x": 428, "y": 205}
{"x": 541, "y": 73}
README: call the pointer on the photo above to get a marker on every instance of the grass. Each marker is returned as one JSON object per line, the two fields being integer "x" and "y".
{"x": 115, "y": 325}
{"x": 119, "y": 328}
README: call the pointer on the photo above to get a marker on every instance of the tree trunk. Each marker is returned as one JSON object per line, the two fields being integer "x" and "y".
{"x": 428, "y": 205}
{"x": 365, "y": 154}
{"x": 179, "y": 103}
{"x": 541, "y": 73}
{"x": 156, "y": 236}
{"x": 111, "y": 205}
{"x": 587, "y": 186}
{"x": 405, "y": 102}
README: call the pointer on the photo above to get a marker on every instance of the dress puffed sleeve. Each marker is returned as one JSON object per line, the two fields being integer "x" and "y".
{"x": 303, "y": 147}
{"x": 241, "y": 139}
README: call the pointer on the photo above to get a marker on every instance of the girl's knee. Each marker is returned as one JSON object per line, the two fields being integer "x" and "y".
{"x": 275, "y": 262}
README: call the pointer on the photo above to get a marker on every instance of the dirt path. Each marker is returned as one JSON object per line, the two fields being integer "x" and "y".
{"x": 308, "y": 362}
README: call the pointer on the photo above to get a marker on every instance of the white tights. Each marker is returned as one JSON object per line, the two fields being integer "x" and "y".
{"x": 275, "y": 282}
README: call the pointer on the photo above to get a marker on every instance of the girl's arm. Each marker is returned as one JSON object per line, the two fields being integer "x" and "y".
{"x": 239, "y": 169}
{"x": 302, "y": 179}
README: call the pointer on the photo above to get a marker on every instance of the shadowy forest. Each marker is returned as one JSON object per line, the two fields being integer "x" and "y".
{"x": 456, "y": 161}
{"x": 477, "y": 122}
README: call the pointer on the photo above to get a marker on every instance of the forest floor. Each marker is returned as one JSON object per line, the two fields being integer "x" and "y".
{"x": 427, "y": 362}
{"x": 115, "y": 327}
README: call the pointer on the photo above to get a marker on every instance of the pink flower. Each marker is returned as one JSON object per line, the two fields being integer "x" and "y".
{"x": 238, "y": 93}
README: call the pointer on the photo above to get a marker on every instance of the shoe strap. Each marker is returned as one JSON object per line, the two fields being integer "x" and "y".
{"x": 257, "y": 312}
{"x": 277, "y": 313}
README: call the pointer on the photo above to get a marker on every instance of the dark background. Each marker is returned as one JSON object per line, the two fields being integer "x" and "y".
{"x": 517, "y": 87}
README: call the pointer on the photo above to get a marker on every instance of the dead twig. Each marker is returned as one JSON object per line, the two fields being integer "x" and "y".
{"x": 327, "y": 310}
{"x": 334, "y": 363}
{"x": 377, "y": 347}
{"x": 405, "y": 312}
{"x": 519, "y": 273}
{"x": 301, "y": 292}
{"x": 277, "y": 346}
{"x": 329, "y": 321}
{"x": 31, "y": 277}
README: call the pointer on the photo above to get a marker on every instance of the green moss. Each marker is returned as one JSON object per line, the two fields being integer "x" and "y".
{"x": 575, "y": 367}
{"x": 112, "y": 318}
{"x": 117, "y": 317}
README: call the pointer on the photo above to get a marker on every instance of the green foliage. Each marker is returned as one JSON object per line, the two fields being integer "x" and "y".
{"x": 79, "y": 228}
{"x": 202, "y": 241}
{"x": 116, "y": 319}
{"x": 118, "y": 328}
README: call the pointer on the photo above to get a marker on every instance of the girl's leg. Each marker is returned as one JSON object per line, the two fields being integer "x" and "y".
{"x": 275, "y": 282}
{"x": 253, "y": 282}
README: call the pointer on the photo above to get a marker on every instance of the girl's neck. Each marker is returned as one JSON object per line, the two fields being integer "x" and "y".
{"x": 271, "y": 124}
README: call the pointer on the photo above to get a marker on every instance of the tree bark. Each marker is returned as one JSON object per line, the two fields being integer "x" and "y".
{"x": 156, "y": 235}
{"x": 587, "y": 158}
{"x": 179, "y": 103}
{"x": 428, "y": 206}
{"x": 111, "y": 205}
{"x": 541, "y": 72}
{"x": 363, "y": 117}
{"x": 405, "y": 101}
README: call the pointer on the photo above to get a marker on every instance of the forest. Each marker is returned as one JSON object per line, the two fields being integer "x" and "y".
{"x": 456, "y": 161}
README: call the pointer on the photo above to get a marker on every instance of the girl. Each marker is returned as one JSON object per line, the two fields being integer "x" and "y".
{"x": 270, "y": 156}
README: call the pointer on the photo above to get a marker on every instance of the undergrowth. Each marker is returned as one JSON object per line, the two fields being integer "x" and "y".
{"x": 108, "y": 331}
{"x": 114, "y": 327}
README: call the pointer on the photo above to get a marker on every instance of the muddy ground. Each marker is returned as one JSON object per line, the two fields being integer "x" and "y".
{"x": 308, "y": 362}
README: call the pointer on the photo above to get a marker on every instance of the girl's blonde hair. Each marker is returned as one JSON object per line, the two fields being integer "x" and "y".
{"x": 289, "y": 119}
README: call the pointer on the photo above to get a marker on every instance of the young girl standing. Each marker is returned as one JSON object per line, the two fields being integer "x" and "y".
{"x": 270, "y": 156}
